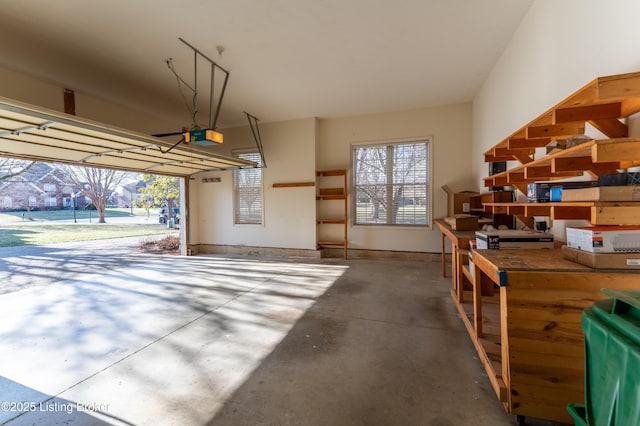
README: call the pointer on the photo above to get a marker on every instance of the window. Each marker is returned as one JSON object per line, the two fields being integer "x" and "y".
{"x": 49, "y": 187}
{"x": 391, "y": 184}
{"x": 50, "y": 202}
{"x": 248, "y": 191}
{"x": 33, "y": 202}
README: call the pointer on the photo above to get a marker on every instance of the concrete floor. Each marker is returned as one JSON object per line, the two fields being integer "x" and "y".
{"x": 110, "y": 338}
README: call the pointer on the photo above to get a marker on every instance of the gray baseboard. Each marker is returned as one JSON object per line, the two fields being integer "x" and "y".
{"x": 314, "y": 254}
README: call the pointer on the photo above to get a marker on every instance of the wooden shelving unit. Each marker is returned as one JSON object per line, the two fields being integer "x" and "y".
{"x": 605, "y": 103}
{"x": 479, "y": 206}
{"x": 332, "y": 186}
{"x": 523, "y": 308}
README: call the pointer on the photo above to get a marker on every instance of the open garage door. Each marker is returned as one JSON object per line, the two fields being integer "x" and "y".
{"x": 35, "y": 133}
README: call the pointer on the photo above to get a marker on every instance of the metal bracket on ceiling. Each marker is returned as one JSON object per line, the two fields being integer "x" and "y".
{"x": 214, "y": 106}
{"x": 255, "y": 130}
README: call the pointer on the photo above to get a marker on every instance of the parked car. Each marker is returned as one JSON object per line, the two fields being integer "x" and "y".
{"x": 163, "y": 215}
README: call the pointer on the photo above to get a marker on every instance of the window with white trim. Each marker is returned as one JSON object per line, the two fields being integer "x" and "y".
{"x": 50, "y": 202}
{"x": 391, "y": 184}
{"x": 248, "y": 192}
{"x": 49, "y": 187}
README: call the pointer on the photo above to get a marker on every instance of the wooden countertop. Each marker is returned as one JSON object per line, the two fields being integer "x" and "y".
{"x": 534, "y": 260}
{"x": 460, "y": 238}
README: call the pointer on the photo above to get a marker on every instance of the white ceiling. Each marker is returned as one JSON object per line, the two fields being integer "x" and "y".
{"x": 287, "y": 59}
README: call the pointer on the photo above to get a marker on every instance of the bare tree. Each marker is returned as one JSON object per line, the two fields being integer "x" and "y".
{"x": 98, "y": 184}
{"x": 12, "y": 167}
{"x": 387, "y": 176}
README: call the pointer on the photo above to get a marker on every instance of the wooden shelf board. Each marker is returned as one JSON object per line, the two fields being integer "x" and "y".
{"x": 623, "y": 89}
{"x": 324, "y": 192}
{"x": 293, "y": 184}
{"x": 331, "y": 197}
{"x": 331, "y": 243}
{"x": 606, "y": 151}
{"x": 598, "y": 213}
{"x": 336, "y": 172}
{"x": 331, "y": 221}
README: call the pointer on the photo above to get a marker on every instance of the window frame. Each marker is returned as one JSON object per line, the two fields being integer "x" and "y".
{"x": 236, "y": 194}
{"x": 428, "y": 141}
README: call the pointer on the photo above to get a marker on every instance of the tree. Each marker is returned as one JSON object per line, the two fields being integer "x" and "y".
{"x": 11, "y": 167}
{"x": 164, "y": 190}
{"x": 98, "y": 184}
{"x": 388, "y": 176}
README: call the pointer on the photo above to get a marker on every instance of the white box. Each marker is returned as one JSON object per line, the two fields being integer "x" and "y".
{"x": 605, "y": 239}
{"x": 513, "y": 239}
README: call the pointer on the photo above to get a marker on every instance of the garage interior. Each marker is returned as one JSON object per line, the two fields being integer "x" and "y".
{"x": 260, "y": 323}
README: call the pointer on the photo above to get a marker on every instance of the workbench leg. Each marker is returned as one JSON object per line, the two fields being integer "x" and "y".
{"x": 477, "y": 301}
{"x": 444, "y": 258}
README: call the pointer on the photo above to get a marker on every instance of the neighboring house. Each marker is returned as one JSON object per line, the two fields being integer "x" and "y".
{"x": 44, "y": 186}
{"x": 131, "y": 194}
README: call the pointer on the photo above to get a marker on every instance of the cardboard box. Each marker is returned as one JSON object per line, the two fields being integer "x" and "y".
{"x": 603, "y": 193}
{"x": 463, "y": 222}
{"x": 544, "y": 192}
{"x": 458, "y": 202}
{"x": 605, "y": 239}
{"x": 513, "y": 239}
{"x": 602, "y": 260}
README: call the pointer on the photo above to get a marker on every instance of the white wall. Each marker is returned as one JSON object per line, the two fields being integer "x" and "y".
{"x": 559, "y": 47}
{"x": 290, "y": 219}
{"x": 450, "y": 128}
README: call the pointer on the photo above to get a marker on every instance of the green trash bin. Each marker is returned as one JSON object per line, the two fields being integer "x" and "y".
{"x": 612, "y": 362}
{"x": 171, "y": 223}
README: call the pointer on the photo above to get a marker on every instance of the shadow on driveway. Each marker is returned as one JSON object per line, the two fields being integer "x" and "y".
{"x": 28, "y": 266}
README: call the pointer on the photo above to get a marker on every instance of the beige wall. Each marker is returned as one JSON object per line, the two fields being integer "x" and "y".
{"x": 289, "y": 220}
{"x": 450, "y": 129}
{"x": 295, "y": 149}
{"x": 559, "y": 47}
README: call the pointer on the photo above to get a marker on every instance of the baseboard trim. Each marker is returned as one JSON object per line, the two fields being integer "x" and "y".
{"x": 253, "y": 251}
{"x": 333, "y": 253}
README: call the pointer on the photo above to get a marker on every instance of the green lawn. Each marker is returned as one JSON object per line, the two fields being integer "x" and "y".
{"x": 34, "y": 234}
{"x": 41, "y": 215}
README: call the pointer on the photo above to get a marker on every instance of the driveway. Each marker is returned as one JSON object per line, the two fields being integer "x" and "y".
{"x": 28, "y": 266}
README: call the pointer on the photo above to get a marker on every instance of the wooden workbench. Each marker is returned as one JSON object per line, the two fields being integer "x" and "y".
{"x": 459, "y": 249}
{"x": 524, "y": 318}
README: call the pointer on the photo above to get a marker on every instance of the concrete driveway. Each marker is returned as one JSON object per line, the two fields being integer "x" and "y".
{"x": 96, "y": 336}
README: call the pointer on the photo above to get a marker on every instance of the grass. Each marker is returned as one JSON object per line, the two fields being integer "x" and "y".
{"x": 42, "y": 215}
{"x": 34, "y": 234}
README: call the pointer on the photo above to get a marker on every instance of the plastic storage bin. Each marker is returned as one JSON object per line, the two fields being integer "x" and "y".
{"x": 612, "y": 362}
